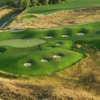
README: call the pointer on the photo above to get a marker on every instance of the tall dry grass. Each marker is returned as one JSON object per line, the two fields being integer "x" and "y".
{"x": 64, "y": 18}
{"x": 79, "y": 82}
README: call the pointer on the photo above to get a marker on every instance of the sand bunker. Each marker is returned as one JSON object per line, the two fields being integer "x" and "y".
{"x": 27, "y": 64}
{"x": 57, "y": 56}
{"x": 44, "y": 60}
{"x": 50, "y": 47}
{"x": 58, "y": 44}
{"x": 48, "y": 37}
{"x": 65, "y": 35}
{"x": 80, "y": 33}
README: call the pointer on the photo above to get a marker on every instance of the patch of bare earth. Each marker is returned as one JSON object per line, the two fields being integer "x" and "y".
{"x": 79, "y": 82}
{"x": 64, "y": 18}
{"x": 23, "y": 18}
{"x": 5, "y": 12}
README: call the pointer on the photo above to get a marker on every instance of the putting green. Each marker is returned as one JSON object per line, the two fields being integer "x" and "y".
{"x": 21, "y": 43}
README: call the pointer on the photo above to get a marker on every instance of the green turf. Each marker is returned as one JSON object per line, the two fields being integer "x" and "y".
{"x": 12, "y": 59}
{"x": 75, "y": 4}
{"x": 17, "y": 48}
{"x": 14, "y": 63}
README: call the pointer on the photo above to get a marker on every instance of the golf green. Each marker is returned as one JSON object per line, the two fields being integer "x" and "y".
{"x": 21, "y": 43}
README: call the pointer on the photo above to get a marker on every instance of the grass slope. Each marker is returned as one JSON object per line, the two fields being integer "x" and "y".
{"x": 16, "y": 57}
{"x": 16, "y": 66}
{"x": 64, "y": 6}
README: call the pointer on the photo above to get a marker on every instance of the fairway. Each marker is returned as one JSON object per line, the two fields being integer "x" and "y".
{"x": 21, "y": 43}
{"x": 74, "y": 4}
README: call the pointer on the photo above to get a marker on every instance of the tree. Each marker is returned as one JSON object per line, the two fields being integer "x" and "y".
{"x": 34, "y": 2}
{"x": 24, "y": 4}
{"x": 28, "y": 3}
{"x": 44, "y": 2}
{"x": 54, "y": 1}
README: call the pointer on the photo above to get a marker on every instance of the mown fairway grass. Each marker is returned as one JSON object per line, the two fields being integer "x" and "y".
{"x": 75, "y": 4}
{"x": 12, "y": 59}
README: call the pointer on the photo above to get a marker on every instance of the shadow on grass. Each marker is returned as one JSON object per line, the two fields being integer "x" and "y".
{"x": 8, "y": 17}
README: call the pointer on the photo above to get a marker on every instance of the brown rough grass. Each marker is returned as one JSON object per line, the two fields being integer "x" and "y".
{"x": 5, "y": 12}
{"x": 79, "y": 82}
{"x": 64, "y": 18}
{"x": 23, "y": 18}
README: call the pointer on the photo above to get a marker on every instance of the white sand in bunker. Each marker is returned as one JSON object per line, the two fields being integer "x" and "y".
{"x": 44, "y": 60}
{"x": 49, "y": 37}
{"x": 27, "y": 64}
{"x": 65, "y": 35}
{"x": 80, "y": 34}
{"x": 58, "y": 44}
{"x": 57, "y": 56}
{"x": 50, "y": 47}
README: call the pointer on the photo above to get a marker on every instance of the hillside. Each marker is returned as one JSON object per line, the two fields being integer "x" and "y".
{"x": 62, "y": 19}
{"x": 50, "y": 51}
{"x": 79, "y": 82}
{"x": 6, "y": 2}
